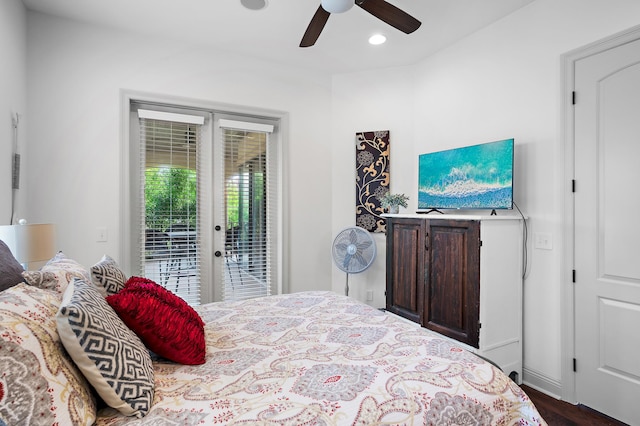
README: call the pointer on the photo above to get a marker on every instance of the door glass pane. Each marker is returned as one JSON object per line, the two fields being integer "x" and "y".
{"x": 246, "y": 265}
{"x": 170, "y": 199}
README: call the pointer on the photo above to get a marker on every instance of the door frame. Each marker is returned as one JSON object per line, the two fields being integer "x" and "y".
{"x": 569, "y": 59}
{"x": 207, "y": 294}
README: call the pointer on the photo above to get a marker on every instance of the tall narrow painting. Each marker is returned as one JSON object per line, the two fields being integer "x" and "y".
{"x": 372, "y": 178}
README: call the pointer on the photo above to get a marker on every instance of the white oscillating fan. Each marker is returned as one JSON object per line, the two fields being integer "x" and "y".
{"x": 353, "y": 251}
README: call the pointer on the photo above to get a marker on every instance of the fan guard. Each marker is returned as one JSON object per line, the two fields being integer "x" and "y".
{"x": 353, "y": 251}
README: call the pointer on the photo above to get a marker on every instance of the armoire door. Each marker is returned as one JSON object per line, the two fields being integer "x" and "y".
{"x": 452, "y": 299}
{"x": 405, "y": 267}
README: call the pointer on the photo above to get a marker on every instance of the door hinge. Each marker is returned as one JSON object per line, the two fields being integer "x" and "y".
{"x": 574, "y": 365}
{"x": 573, "y": 185}
{"x": 573, "y": 98}
{"x": 573, "y": 276}
{"x": 480, "y": 241}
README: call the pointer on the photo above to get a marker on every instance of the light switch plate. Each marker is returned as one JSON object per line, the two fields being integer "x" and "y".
{"x": 543, "y": 240}
{"x": 101, "y": 234}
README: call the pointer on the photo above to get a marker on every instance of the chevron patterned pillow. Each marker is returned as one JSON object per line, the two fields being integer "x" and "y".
{"x": 107, "y": 273}
{"x": 111, "y": 357}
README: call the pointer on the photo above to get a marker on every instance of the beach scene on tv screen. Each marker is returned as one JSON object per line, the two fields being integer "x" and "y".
{"x": 472, "y": 177}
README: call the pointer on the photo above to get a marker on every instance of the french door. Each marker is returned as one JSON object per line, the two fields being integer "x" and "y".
{"x": 169, "y": 199}
{"x": 245, "y": 221}
{"x": 204, "y": 202}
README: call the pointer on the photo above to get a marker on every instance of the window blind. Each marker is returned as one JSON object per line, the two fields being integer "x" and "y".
{"x": 250, "y": 182}
{"x": 170, "y": 196}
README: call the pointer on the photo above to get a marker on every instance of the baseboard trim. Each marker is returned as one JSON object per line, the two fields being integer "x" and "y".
{"x": 538, "y": 381}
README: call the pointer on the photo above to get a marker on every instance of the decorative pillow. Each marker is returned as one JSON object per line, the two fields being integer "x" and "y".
{"x": 10, "y": 269}
{"x": 39, "y": 384}
{"x": 108, "y": 275}
{"x": 111, "y": 357}
{"x": 165, "y": 322}
{"x": 57, "y": 273}
{"x": 44, "y": 280}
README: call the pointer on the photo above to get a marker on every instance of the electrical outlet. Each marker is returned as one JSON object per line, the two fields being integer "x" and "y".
{"x": 369, "y": 295}
{"x": 543, "y": 240}
{"x": 101, "y": 234}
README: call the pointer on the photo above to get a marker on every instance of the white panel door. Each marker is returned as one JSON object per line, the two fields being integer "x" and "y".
{"x": 607, "y": 236}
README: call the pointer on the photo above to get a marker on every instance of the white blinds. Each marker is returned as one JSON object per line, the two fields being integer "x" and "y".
{"x": 170, "y": 196}
{"x": 250, "y": 182}
{"x": 245, "y": 126}
{"x": 170, "y": 116}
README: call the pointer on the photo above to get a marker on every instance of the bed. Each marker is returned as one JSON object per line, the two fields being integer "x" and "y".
{"x": 309, "y": 358}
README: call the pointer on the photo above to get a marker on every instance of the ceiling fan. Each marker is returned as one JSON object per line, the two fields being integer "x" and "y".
{"x": 382, "y": 10}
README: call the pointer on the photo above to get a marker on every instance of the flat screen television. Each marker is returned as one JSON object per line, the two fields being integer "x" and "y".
{"x": 471, "y": 177}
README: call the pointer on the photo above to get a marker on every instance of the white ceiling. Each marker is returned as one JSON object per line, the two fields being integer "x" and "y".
{"x": 274, "y": 32}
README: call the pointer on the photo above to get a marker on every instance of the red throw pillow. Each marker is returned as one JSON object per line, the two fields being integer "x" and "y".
{"x": 165, "y": 323}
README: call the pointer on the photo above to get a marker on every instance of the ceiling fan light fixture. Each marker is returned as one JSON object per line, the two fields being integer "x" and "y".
{"x": 377, "y": 39}
{"x": 254, "y": 4}
{"x": 336, "y": 6}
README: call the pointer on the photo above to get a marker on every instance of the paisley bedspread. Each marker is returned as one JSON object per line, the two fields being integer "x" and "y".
{"x": 319, "y": 358}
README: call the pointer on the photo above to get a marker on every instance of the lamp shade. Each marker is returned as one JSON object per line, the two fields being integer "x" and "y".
{"x": 337, "y": 6}
{"x": 30, "y": 243}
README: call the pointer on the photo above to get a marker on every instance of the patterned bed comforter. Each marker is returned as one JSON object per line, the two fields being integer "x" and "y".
{"x": 319, "y": 358}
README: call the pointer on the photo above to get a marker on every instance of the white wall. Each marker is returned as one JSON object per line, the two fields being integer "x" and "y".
{"x": 503, "y": 81}
{"x": 362, "y": 102}
{"x": 13, "y": 96}
{"x": 76, "y": 73}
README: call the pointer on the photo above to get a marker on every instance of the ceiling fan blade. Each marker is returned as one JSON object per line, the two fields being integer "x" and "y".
{"x": 390, "y": 14}
{"x": 315, "y": 27}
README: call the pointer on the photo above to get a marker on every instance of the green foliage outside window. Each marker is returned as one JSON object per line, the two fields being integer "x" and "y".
{"x": 245, "y": 206}
{"x": 170, "y": 197}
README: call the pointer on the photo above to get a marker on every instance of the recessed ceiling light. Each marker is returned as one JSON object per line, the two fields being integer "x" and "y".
{"x": 254, "y": 4}
{"x": 377, "y": 39}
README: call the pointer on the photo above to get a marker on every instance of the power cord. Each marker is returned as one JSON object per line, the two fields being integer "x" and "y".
{"x": 15, "y": 167}
{"x": 524, "y": 242}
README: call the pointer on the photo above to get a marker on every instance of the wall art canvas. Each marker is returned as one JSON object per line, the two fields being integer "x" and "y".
{"x": 372, "y": 178}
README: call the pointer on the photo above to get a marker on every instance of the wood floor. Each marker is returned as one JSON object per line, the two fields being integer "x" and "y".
{"x": 560, "y": 413}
